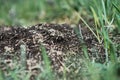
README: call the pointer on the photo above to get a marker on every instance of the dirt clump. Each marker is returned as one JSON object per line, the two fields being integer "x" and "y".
{"x": 63, "y": 45}
{"x": 58, "y": 40}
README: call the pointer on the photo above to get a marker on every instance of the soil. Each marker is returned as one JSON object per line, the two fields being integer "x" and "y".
{"x": 60, "y": 42}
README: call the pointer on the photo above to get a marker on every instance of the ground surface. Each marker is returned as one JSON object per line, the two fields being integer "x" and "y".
{"x": 62, "y": 44}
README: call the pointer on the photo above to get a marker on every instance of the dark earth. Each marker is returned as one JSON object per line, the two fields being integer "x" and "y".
{"x": 60, "y": 42}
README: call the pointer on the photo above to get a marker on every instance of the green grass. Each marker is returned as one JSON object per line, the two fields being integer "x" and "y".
{"x": 106, "y": 18}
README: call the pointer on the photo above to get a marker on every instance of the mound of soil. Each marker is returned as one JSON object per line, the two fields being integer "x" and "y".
{"x": 60, "y": 42}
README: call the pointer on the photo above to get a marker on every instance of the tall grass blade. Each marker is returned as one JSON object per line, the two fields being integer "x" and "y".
{"x": 97, "y": 23}
{"x": 47, "y": 74}
{"x": 104, "y": 11}
{"x": 116, "y": 8}
{"x": 23, "y": 55}
{"x": 90, "y": 29}
{"x": 1, "y": 75}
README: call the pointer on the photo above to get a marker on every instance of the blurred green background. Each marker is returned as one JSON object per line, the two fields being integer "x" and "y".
{"x": 15, "y": 12}
{"x": 29, "y": 12}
